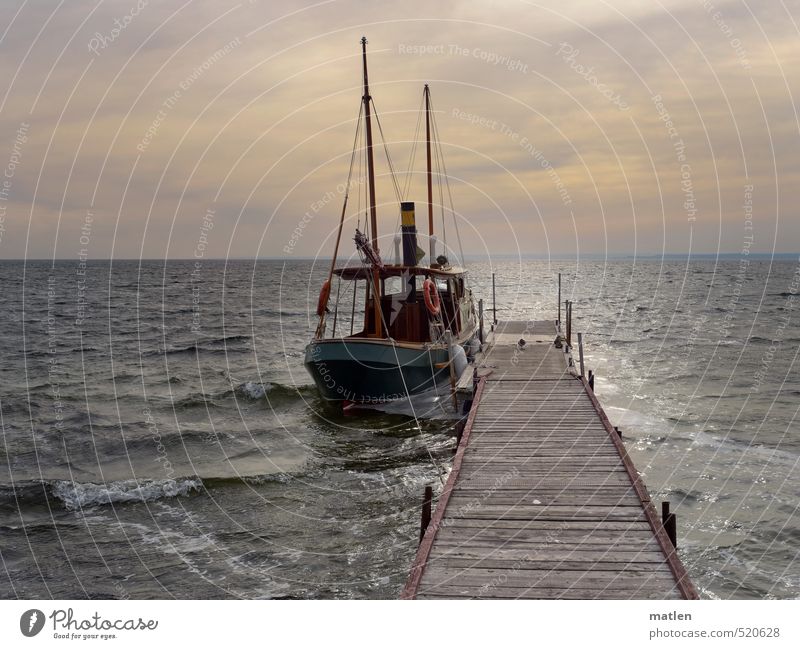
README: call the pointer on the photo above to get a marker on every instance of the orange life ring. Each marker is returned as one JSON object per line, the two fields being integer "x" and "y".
{"x": 431, "y": 294}
{"x": 324, "y": 294}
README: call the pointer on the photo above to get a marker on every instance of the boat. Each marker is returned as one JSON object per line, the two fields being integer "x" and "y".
{"x": 402, "y": 328}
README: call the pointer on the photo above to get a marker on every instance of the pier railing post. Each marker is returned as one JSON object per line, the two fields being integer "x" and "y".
{"x": 459, "y": 432}
{"x": 480, "y": 321}
{"x": 580, "y": 351}
{"x": 591, "y": 380}
{"x": 559, "y": 301}
{"x": 494, "y": 299}
{"x": 426, "y": 512}
{"x": 568, "y": 315}
{"x": 670, "y": 524}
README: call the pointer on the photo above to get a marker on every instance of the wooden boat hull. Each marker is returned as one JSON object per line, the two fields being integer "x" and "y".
{"x": 374, "y": 371}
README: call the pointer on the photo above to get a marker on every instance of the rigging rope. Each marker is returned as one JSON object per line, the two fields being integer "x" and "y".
{"x": 449, "y": 191}
{"x": 413, "y": 154}
{"x": 386, "y": 150}
{"x": 321, "y": 324}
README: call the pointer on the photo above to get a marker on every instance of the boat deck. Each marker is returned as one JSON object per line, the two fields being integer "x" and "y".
{"x": 543, "y": 501}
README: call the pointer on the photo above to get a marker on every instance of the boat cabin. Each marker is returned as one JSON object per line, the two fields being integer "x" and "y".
{"x": 405, "y": 313}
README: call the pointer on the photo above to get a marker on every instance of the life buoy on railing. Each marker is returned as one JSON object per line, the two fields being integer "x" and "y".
{"x": 431, "y": 294}
{"x": 324, "y": 294}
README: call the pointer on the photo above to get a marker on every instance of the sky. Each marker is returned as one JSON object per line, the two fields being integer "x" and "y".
{"x": 200, "y": 129}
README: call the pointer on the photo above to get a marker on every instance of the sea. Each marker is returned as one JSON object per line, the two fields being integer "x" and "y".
{"x": 162, "y": 439}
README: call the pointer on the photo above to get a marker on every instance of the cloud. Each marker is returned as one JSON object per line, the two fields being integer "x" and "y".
{"x": 149, "y": 120}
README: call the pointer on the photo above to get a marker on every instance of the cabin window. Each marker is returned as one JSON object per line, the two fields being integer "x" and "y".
{"x": 350, "y": 309}
{"x": 392, "y": 285}
{"x": 441, "y": 285}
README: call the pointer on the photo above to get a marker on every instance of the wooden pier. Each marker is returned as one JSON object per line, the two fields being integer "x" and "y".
{"x": 543, "y": 501}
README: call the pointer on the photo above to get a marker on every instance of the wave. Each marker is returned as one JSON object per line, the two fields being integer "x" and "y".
{"x": 76, "y": 495}
{"x": 258, "y": 390}
{"x": 79, "y": 495}
{"x": 205, "y": 345}
{"x": 280, "y": 313}
{"x": 226, "y": 339}
{"x": 196, "y": 399}
{"x": 254, "y": 390}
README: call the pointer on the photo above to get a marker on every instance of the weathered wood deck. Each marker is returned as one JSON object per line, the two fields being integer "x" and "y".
{"x": 543, "y": 501}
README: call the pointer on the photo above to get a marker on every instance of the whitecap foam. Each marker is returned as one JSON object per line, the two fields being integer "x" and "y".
{"x": 254, "y": 390}
{"x": 76, "y": 495}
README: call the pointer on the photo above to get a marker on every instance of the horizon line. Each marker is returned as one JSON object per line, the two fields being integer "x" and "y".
{"x": 471, "y": 256}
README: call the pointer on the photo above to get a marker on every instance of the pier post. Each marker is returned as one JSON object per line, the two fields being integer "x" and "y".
{"x": 426, "y": 512}
{"x": 460, "y": 431}
{"x": 591, "y": 380}
{"x": 568, "y": 316}
{"x": 559, "y": 301}
{"x": 480, "y": 320}
{"x": 618, "y": 431}
{"x": 670, "y": 523}
{"x": 580, "y": 351}
{"x": 494, "y": 299}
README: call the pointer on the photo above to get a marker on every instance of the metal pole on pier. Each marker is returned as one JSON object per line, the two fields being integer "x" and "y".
{"x": 580, "y": 350}
{"x": 670, "y": 523}
{"x": 480, "y": 320}
{"x": 494, "y": 300}
{"x": 568, "y": 315}
{"x": 426, "y": 512}
{"x": 559, "y": 301}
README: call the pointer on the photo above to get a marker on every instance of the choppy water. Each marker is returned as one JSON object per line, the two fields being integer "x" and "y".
{"x": 162, "y": 439}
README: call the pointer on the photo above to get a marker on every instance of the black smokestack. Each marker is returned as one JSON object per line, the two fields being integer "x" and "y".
{"x": 408, "y": 228}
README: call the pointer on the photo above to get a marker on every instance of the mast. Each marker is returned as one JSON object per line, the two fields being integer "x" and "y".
{"x": 373, "y": 215}
{"x": 430, "y": 178}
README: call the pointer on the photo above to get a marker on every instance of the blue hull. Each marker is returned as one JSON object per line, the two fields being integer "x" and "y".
{"x": 373, "y": 371}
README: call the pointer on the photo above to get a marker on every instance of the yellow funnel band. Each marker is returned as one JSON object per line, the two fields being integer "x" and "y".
{"x": 407, "y": 217}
